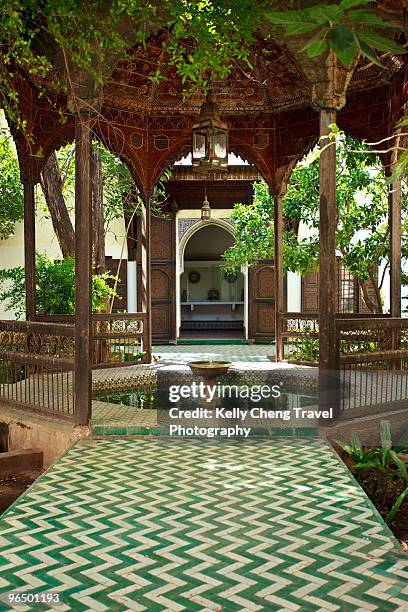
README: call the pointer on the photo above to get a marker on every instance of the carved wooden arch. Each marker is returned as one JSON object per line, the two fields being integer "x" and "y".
{"x": 239, "y": 146}
{"x": 115, "y": 140}
{"x": 32, "y": 164}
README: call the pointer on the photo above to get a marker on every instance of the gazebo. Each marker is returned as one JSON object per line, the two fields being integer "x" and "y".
{"x": 275, "y": 113}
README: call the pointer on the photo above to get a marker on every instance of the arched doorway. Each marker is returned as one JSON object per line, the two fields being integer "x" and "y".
{"x": 212, "y": 304}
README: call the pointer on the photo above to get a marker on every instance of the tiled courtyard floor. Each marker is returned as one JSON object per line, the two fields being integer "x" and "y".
{"x": 247, "y": 353}
{"x": 132, "y": 524}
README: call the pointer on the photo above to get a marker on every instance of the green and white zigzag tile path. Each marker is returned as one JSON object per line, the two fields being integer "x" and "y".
{"x": 133, "y": 524}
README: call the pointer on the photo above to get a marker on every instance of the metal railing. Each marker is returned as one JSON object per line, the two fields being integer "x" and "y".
{"x": 373, "y": 362}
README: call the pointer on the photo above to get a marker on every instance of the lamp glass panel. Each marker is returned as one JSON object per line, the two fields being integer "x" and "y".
{"x": 199, "y": 142}
{"x": 220, "y": 144}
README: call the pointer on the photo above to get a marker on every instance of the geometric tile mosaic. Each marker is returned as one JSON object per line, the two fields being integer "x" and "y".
{"x": 137, "y": 524}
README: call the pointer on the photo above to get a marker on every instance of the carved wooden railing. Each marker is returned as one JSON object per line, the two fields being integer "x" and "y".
{"x": 373, "y": 361}
{"x": 37, "y": 363}
{"x": 119, "y": 339}
{"x": 299, "y": 336}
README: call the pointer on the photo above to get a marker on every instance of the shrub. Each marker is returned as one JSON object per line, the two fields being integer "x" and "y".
{"x": 55, "y": 287}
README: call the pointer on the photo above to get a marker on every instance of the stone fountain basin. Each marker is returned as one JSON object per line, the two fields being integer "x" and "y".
{"x": 209, "y": 369}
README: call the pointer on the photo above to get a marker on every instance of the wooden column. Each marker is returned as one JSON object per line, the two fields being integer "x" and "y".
{"x": 328, "y": 354}
{"x": 29, "y": 249}
{"x": 394, "y": 215}
{"x": 278, "y": 261}
{"x": 83, "y": 270}
{"x": 327, "y": 244}
{"x": 146, "y": 271}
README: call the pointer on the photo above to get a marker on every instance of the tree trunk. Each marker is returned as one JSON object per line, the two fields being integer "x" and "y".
{"x": 52, "y": 188}
{"x": 377, "y": 292}
{"x": 374, "y": 306}
{"x": 98, "y": 214}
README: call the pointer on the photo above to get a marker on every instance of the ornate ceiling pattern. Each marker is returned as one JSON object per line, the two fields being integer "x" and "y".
{"x": 147, "y": 122}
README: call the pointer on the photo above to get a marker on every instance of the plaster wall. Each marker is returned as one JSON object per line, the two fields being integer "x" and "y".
{"x": 27, "y": 431}
{"x": 12, "y": 250}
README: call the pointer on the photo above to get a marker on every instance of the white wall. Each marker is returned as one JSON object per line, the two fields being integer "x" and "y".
{"x": 294, "y": 296}
{"x": 12, "y": 250}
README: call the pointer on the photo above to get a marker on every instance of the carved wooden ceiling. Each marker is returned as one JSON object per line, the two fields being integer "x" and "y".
{"x": 268, "y": 110}
{"x": 275, "y": 83}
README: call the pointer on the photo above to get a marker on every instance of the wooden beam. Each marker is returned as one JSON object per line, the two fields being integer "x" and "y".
{"x": 29, "y": 249}
{"x": 394, "y": 212}
{"x": 278, "y": 262}
{"x": 146, "y": 271}
{"x": 83, "y": 270}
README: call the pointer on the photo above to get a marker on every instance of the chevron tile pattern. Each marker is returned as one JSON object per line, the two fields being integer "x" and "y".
{"x": 133, "y": 524}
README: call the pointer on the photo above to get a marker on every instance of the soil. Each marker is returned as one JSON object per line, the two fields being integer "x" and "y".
{"x": 12, "y": 487}
{"x": 383, "y": 501}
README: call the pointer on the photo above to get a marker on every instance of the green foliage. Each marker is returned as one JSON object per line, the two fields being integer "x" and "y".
{"x": 205, "y": 35}
{"x": 347, "y": 28}
{"x": 362, "y": 198}
{"x": 307, "y": 349}
{"x": 120, "y": 194}
{"x": 253, "y": 230}
{"x": 383, "y": 462}
{"x": 11, "y": 192}
{"x": 55, "y": 287}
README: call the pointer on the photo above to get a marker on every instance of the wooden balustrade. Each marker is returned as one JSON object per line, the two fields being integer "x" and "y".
{"x": 373, "y": 362}
{"x": 118, "y": 339}
{"x": 37, "y": 362}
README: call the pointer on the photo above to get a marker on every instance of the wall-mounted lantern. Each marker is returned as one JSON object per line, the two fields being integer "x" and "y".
{"x": 210, "y": 139}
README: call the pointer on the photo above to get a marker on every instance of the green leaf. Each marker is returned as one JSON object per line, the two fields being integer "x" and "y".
{"x": 401, "y": 497}
{"x": 356, "y": 443}
{"x": 348, "y": 4}
{"x": 367, "y": 17}
{"x": 385, "y": 435}
{"x": 332, "y": 13}
{"x": 369, "y": 53}
{"x": 381, "y": 43}
{"x": 300, "y": 28}
{"x": 400, "y": 464}
{"x": 316, "y": 45}
{"x": 306, "y": 18}
{"x": 343, "y": 44}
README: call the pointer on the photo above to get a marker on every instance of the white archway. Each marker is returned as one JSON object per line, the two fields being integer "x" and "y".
{"x": 236, "y": 303}
{"x": 199, "y": 225}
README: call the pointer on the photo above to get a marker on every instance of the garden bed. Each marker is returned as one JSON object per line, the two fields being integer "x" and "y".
{"x": 383, "y": 496}
{"x": 11, "y": 487}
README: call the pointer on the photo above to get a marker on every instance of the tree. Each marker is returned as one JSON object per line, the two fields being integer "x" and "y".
{"x": 52, "y": 184}
{"x": 253, "y": 230}
{"x": 362, "y": 236}
{"x": 11, "y": 192}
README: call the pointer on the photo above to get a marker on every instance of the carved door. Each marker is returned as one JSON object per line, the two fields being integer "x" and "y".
{"x": 163, "y": 278}
{"x": 310, "y": 292}
{"x": 261, "y": 297}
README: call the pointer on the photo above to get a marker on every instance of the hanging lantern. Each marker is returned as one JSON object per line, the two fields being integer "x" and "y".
{"x": 205, "y": 210}
{"x": 210, "y": 139}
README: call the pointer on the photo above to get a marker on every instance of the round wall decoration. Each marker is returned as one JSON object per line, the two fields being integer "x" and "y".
{"x": 194, "y": 277}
